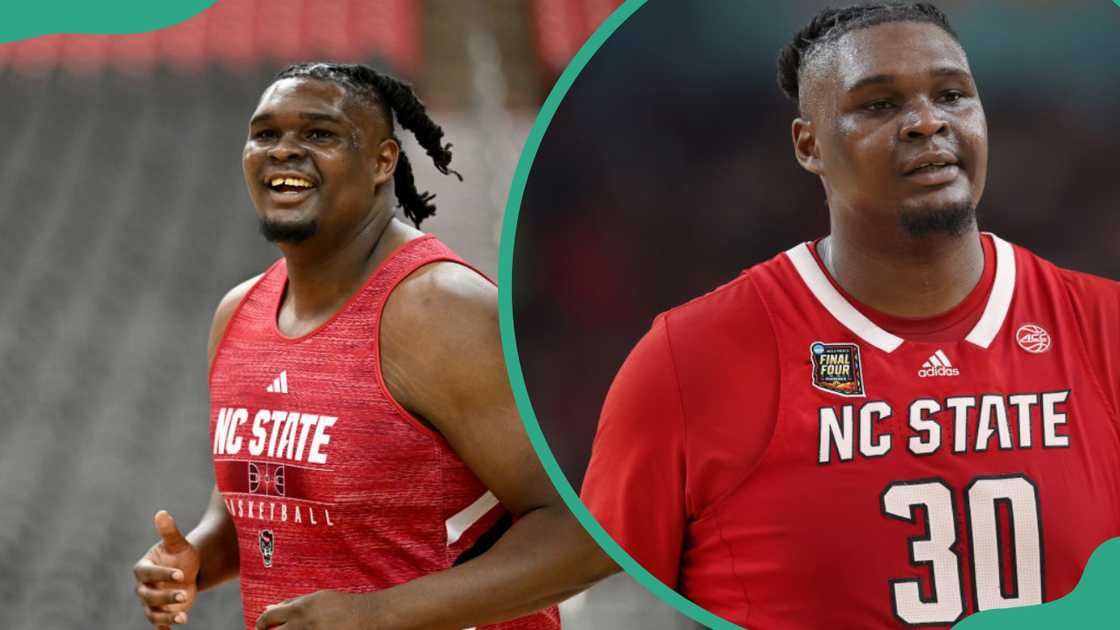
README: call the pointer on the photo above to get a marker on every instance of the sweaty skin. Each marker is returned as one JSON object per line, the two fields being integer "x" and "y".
{"x": 435, "y": 318}
{"x": 874, "y": 104}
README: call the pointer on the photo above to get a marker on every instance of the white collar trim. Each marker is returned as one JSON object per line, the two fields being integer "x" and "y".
{"x": 995, "y": 312}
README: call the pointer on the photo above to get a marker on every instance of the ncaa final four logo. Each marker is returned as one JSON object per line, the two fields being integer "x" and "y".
{"x": 836, "y": 368}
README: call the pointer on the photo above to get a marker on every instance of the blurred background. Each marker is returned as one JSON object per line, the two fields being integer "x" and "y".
{"x": 125, "y": 219}
{"x": 668, "y": 169}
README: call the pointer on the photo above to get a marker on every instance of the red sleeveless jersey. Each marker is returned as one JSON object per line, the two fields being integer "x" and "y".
{"x": 330, "y": 482}
{"x": 815, "y": 470}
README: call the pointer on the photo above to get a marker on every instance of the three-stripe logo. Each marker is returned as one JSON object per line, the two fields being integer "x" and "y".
{"x": 279, "y": 384}
{"x": 938, "y": 365}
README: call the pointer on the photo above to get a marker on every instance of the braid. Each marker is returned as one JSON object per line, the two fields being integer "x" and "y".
{"x": 398, "y": 99}
{"x": 420, "y": 206}
{"x": 830, "y": 24}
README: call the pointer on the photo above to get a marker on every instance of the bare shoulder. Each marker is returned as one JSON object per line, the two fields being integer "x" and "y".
{"x": 226, "y": 308}
{"x": 441, "y": 298}
{"x": 441, "y": 352}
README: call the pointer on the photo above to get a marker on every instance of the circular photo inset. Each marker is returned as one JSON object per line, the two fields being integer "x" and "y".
{"x": 793, "y": 301}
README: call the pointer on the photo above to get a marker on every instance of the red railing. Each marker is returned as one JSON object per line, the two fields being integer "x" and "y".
{"x": 562, "y": 26}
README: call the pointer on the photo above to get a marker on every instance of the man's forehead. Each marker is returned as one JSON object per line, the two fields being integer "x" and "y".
{"x": 897, "y": 49}
{"x": 324, "y": 96}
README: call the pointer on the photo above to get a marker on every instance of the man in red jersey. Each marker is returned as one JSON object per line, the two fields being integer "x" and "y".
{"x": 897, "y": 425}
{"x": 371, "y": 467}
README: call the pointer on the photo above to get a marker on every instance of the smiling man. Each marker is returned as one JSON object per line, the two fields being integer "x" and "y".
{"x": 899, "y": 424}
{"x": 371, "y": 467}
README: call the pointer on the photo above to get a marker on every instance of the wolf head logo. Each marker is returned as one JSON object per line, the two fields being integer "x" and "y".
{"x": 265, "y": 541}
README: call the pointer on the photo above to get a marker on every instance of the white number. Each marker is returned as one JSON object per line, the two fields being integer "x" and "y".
{"x": 1019, "y": 493}
{"x": 937, "y": 548}
{"x": 947, "y": 603}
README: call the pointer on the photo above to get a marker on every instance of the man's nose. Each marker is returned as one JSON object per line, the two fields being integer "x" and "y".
{"x": 922, "y": 121}
{"x": 286, "y": 149}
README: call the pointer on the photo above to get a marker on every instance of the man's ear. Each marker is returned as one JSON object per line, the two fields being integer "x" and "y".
{"x": 805, "y": 146}
{"x": 388, "y": 153}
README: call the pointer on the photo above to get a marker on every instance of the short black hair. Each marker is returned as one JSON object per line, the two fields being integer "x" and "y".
{"x": 397, "y": 99}
{"x": 831, "y": 24}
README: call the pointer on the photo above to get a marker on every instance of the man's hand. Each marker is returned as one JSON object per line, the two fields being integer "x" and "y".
{"x": 166, "y": 575}
{"x": 324, "y": 609}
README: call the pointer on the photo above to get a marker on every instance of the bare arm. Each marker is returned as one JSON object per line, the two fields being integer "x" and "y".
{"x": 461, "y": 387}
{"x": 442, "y": 360}
{"x": 173, "y": 571}
{"x": 215, "y": 535}
{"x": 216, "y": 541}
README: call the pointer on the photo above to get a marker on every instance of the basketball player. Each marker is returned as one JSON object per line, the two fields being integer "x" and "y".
{"x": 897, "y": 425}
{"x": 371, "y": 467}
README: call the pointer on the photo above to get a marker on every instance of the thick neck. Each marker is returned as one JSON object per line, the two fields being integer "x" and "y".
{"x": 321, "y": 276}
{"x": 896, "y": 274}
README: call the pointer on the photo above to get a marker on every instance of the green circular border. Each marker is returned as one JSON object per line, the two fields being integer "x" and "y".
{"x": 509, "y": 337}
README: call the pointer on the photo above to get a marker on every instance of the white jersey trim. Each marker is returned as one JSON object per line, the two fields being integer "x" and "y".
{"x": 999, "y": 301}
{"x": 995, "y": 312}
{"x": 459, "y": 524}
{"x": 835, "y": 303}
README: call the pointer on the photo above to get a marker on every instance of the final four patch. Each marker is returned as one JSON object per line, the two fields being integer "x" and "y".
{"x": 836, "y": 368}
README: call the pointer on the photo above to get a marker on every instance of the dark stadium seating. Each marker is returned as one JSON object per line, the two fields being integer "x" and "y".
{"x": 125, "y": 219}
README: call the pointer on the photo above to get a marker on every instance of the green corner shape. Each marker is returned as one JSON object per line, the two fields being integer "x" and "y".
{"x": 88, "y": 17}
{"x": 509, "y": 338}
{"x": 1092, "y": 603}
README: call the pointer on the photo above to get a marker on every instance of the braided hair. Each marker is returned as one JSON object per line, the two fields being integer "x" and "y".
{"x": 397, "y": 99}
{"x": 831, "y": 24}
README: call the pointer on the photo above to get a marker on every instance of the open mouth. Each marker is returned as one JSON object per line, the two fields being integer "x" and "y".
{"x": 288, "y": 184}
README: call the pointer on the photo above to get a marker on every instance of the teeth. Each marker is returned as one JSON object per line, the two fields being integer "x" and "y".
{"x": 289, "y": 181}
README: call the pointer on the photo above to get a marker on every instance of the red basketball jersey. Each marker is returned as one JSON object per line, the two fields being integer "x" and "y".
{"x": 776, "y": 454}
{"x": 330, "y": 482}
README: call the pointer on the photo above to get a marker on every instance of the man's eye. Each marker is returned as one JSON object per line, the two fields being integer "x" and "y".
{"x": 320, "y": 134}
{"x": 952, "y": 97}
{"x": 879, "y": 106}
{"x": 265, "y": 134}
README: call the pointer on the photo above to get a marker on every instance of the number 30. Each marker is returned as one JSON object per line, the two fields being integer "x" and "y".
{"x": 938, "y": 548}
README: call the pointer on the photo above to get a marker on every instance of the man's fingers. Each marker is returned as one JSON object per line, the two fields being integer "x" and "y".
{"x": 274, "y": 616}
{"x": 162, "y": 619}
{"x": 158, "y": 598}
{"x": 173, "y": 540}
{"x": 148, "y": 573}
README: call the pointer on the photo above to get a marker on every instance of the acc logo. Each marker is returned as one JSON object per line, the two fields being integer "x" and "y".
{"x": 836, "y": 368}
{"x": 265, "y": 541}
{"x": 1033, "y": 338}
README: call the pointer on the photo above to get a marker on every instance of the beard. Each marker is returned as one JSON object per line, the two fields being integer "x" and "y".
{"x": 289, "y": 233}
{"x": 952, "y": 220}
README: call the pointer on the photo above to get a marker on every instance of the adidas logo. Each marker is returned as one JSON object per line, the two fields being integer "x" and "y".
{"x": 938, "y": 365}
{"x": 279, "y": 384}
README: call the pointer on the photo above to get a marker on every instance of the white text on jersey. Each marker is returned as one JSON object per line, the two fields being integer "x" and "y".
{"x": 285, "y": 433}
{"x": 867, "y": 429}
